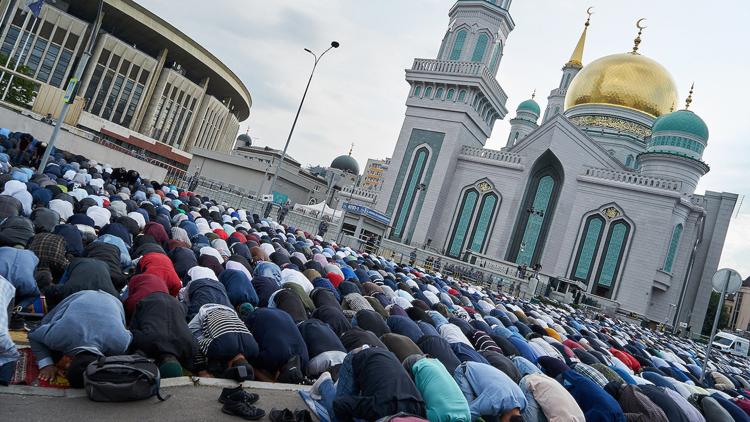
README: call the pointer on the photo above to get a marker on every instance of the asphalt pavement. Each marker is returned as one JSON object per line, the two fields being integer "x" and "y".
{"x": 188, "y": 403}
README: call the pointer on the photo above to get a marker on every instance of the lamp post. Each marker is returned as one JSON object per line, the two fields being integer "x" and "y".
{"x": 334, "y": 44}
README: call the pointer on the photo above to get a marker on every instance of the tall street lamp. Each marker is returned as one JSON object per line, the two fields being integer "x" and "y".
{"x": 334, "y": 44}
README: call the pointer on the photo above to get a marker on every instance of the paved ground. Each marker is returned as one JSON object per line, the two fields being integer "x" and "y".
{"x": 188, "y": 403}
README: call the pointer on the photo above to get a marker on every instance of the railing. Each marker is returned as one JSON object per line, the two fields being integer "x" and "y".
{"x": 490, "y": 154}
{"x": 453, "y": 67}
{"x": 362, "y": 193}
{"x": 505, "y": 280}
{"x": 632, "y": 178}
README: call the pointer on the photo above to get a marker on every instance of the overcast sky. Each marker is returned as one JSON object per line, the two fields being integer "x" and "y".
{"x": 359, "y": 91}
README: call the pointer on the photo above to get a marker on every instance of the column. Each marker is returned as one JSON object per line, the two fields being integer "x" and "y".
{"x": 149, "y": 92}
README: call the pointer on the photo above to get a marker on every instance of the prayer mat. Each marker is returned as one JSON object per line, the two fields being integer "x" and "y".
{"x": 27, "y": 372}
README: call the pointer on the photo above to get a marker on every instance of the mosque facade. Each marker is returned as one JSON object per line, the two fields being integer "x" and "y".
{"x": 599, "y": 188}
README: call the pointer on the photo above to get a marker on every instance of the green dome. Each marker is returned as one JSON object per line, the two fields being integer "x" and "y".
{"x": 346, "y": 163}
{"x": 682, "y": 121}
{"x": 529, "y": 105}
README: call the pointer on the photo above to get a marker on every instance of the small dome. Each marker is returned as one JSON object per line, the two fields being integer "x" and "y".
{"x": 245, "y": 140}
{"x": 624, "y": 80}
{"x": 682, "y": 121}
{"x": 345, "y": 163}
{"x": 529, "y": 105}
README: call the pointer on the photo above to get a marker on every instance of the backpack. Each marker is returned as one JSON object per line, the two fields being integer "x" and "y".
{"x": 122, "y": 378}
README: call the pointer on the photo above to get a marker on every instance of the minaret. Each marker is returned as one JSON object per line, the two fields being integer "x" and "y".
{"x": 453, "y": 102}
{"x": 556, "y": 98}
{"x": 527, "y": 115}
{"x": 675, "y": 148}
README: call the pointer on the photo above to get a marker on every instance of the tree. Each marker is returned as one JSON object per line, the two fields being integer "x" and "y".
{"x": 21, "y": 90}
{"x": 713, "y": 304}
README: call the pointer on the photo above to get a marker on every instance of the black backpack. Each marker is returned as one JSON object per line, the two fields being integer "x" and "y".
{"x": 122, "y": 378}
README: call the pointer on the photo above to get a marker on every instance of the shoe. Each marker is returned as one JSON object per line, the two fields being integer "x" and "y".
{"x": 243, "y": 410}
{"x": 237, "y": 394}
{"x": 302, "y": 416}
{"x": 315, "y": 390}
{"x": 285, "y": 415}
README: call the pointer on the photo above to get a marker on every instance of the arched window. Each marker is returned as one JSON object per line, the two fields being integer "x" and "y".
{"x": 458, "y": 44}
{"x": 439, "y": 93}
{"x": 462, "y": 95}
{"x": 557, "y": 110}
{"x": 417, "y": 91}
{"x": 476, "y": 101}
{"x": 416, "y": 172}
{"x": 449, "y": 96}
{"x": 629, "y": 161}
{"x": 587, "y": 248}
{"x": 611, "y": 258}
{"x": 515, "y": 138}
{"x": 673, "y": 244}
{"x": 483, "y": 222}
{"x": 536, "y": 211}
{"x": 461, "y": 228}
{"x": 496, "y": 53}
{"x": 428, "y": 92}
{"x": 474, "y": 216}
{"x": 480, "y": 48}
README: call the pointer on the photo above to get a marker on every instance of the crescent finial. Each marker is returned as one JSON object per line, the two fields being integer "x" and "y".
{"x": 638, "y": 23}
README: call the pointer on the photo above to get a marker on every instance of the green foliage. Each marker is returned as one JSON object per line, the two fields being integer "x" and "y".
{"x": 713, "y": 303}
{"x": 21, "y": 90}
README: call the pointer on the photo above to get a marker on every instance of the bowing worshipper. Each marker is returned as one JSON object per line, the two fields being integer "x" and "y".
{"x": 491, "y": 394}
{"x": 82, "y": 274}
{"x": 226, "y": 345}
{"x": 325, "y": 350}
{"x": 204, "y": 288}
{"x": 372, "y": 384}
{"x": 444, "y": 401}
{"x": 161, "y": 333}
{"x": 84, "y": 326}
{"x": 280, "y": 343}
{"x": 549, "y": 400}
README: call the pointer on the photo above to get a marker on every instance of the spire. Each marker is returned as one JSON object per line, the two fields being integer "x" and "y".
{"x": 689, "y": 98}
{"x": 576, "y": 58}
{"x": 533, "y": 94}
{"x": 351, "y": 148}
{"x": 637, "y": 40}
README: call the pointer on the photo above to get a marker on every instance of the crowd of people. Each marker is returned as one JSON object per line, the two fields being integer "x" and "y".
{"x": 115, "y": 264}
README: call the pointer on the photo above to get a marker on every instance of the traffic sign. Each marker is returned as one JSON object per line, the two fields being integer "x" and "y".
{"x": 728, "y": 278}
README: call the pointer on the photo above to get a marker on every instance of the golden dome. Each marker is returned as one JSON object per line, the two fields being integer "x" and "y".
{"x": 626, "y": 80}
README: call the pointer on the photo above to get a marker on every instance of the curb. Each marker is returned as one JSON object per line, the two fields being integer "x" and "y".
{"x": 26, "y": 390}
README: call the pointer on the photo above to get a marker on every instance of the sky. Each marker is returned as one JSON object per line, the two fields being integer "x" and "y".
{"x": 358, "y": 91}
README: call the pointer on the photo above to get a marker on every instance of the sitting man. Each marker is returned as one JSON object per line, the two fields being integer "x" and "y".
{"x": 372, "y": 384}
{"x": 84, "y": 326}
{"x": 491, "y": 394}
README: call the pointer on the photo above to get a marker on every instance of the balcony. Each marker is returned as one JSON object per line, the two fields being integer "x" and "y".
{"x": 456, "y": 68}
{"x": 491, "y": 154}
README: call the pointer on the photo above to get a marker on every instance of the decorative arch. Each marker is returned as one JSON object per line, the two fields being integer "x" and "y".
{"x": 603, "y": 241}
{"x": 474, "y": 218}
{"x": 496, "y": 54}
{"x": 537, "y": 210}
{"x": 629, "y": 161}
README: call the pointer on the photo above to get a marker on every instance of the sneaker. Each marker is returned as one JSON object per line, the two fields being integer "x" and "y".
{"x": 315, "y": 390}
{"x": 285, "y": 415}
{"x": 237, "y": 394}
{"x": 243, "y": 410}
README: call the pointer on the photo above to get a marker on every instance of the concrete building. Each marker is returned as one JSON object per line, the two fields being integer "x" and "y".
{"x": 602, "y": 192}
{"x": 739, "y": 309}
{"x": 374, "y": 174}
{"x": 148, "y": 87}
